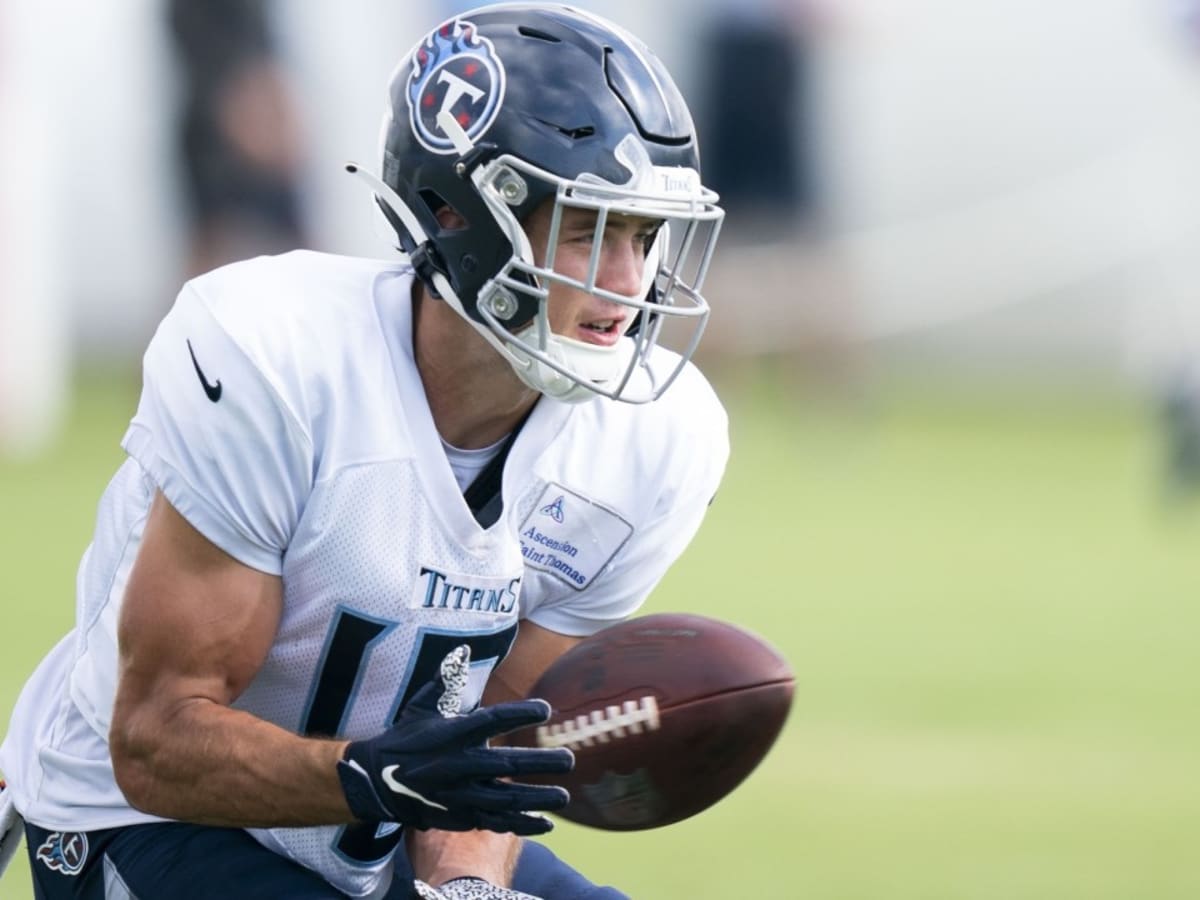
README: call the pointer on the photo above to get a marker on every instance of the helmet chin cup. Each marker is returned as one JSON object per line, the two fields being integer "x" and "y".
{"x": 593, "y": 369}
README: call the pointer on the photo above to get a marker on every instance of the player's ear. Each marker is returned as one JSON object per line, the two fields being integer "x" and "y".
{"x": 450, "y": 219}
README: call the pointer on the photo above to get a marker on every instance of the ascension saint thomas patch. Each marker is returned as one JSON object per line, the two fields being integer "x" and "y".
{"x": 571, "y": 537}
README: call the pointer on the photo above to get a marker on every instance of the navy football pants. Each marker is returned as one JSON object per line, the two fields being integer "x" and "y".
{"x": 194, "y": 862}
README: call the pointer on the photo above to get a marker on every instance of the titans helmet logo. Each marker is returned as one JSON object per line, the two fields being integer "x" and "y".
{"x": 455, "y": 70}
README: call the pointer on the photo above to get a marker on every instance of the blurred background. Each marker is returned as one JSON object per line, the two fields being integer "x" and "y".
{"x": 955, "y": 320}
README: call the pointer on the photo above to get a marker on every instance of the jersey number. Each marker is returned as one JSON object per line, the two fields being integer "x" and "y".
{"x": 347, "y": 650}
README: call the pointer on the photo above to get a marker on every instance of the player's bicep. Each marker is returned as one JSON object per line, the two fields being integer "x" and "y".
{"x": 195, "y": 622}
{"x": 218, "y": 433}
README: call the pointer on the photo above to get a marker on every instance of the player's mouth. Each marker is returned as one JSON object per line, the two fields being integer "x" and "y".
{"x": 605, "y": 332}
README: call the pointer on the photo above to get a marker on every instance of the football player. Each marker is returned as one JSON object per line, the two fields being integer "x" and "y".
{"x": 366, "y": 503}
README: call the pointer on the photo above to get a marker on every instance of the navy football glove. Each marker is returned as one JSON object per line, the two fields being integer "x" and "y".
{"x": 434, "y": 768}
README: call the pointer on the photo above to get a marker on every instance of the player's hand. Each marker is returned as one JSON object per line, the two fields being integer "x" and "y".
{"x": 11, "y": 831}
{"x": 467, "y": 889}
{"x": 434, "y": 768}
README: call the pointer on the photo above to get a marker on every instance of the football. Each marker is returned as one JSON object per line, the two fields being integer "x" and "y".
{"x": 666, "y": 714}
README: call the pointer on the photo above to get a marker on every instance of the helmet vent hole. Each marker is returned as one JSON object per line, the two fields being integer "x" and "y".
{"x": 448, "y": 218}
{"x": 539, "y": 35}
{"x": 575, "y": 133}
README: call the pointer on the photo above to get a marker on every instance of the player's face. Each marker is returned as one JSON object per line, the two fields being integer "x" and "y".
{"x": 576, "y": 313}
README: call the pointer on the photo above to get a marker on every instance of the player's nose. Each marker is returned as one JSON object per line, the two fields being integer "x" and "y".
{"x": 621, "y": 268}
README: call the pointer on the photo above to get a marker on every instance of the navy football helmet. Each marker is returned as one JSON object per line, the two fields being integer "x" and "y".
{"x": 501, "y": 109}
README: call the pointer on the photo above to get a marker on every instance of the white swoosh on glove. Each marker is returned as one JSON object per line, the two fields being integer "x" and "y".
{"x": 404, "y": 789}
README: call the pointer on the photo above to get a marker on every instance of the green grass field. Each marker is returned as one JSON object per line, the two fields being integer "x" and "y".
{"x": 992, "y": 619}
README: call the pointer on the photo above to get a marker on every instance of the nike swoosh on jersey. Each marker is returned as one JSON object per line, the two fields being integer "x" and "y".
{"x": 398, "y": 787}
{"x": 212, "y": 391}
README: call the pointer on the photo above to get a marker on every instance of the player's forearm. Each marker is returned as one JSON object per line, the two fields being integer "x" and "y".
{"x": 438, "y": 856}
{"x": 209, "y": 764}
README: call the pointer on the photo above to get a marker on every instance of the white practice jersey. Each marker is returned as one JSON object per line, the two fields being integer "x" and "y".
{"x": 284, "y": 417}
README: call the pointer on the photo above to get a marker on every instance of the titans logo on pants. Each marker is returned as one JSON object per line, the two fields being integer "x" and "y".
{"x": 64, "y": 852}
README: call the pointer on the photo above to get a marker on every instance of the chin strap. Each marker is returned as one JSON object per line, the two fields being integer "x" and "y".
{"x": 398, "y": 207}
{"x": 427, "y": 266}
{"x": 424, "y": 258}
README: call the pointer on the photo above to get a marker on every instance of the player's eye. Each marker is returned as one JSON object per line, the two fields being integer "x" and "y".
{"x": 576, "y": 233}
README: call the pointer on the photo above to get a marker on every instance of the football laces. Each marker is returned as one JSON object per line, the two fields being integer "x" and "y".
{"x": 601, "y": 726}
